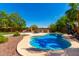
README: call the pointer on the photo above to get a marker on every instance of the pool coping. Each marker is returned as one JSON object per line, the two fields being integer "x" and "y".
{"x": 23, "y": 45}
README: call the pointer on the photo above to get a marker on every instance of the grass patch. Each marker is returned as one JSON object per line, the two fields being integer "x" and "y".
{"x": 4, "y": 33}
{"x": 3, "y": 39}
{"x": 16, "y": 33}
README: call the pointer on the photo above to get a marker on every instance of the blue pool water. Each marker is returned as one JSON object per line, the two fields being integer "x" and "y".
{"x": 50, "y": 42}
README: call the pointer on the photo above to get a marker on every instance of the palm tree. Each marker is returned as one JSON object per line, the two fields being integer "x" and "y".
{"x": 72, "y": 12}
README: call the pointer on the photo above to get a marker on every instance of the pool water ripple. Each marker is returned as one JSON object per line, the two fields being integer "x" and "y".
{"x": 50, "y": 42}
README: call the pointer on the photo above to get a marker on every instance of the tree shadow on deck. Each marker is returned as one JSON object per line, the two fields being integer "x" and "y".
{"x": 35, "y": 50}
{"x": 67, "y": 52}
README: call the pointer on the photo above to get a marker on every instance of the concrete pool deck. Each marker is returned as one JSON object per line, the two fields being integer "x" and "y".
{"x": 25, "y": 49}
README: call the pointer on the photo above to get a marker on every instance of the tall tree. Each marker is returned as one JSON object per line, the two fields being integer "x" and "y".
{"x": 4, "y": 19}
{"x": 13, "y": 20}
{"x": 61, "y": 23}
{"x": 72, "y": 12}
{"x": 16, "y": 21}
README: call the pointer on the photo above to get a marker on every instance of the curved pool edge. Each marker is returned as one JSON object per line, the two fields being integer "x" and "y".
{"x": 44, "y": 42}
{"x": 24, "y": 44}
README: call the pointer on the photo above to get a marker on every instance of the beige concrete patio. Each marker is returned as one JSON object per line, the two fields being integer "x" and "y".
{"x": 25, "y": 49}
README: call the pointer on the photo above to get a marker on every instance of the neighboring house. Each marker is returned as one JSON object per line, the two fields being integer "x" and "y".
{"x": 43, "y": 30}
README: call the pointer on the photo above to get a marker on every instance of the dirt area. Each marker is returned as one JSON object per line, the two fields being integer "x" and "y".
{"x": 9, "y": 48}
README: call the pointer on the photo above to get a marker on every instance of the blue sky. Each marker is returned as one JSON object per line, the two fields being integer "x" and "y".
{"x": 41, "y": 14}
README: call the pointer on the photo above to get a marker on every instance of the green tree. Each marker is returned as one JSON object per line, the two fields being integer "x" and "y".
{"x": 34, "y": 28}
{"x": 72, "y": 12}
{"x": 17, "y": 21}
{"x": 13, "y": 21}
{"x": 4, "y": 22}
{"x": 61, "y": 24}
{"x": 52, "y": 27}
{"x": 3, "y": 14}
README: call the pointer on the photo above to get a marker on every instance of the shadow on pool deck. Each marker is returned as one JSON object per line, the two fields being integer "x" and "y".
{"x": 72, "y": 52}
{"x": 35, "y": 50}
{"x": 67, "y": 52}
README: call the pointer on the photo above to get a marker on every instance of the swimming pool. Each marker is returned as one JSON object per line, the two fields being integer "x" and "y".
{"x": 50, "y": 42}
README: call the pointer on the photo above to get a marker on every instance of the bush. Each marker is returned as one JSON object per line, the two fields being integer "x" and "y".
{"x": 3, "y": 39}
{"x": 16, "y": 33}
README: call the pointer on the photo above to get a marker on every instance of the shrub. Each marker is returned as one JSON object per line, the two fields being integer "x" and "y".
{"x": 3, "y": 39}
{"x": 16, "y": 33}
